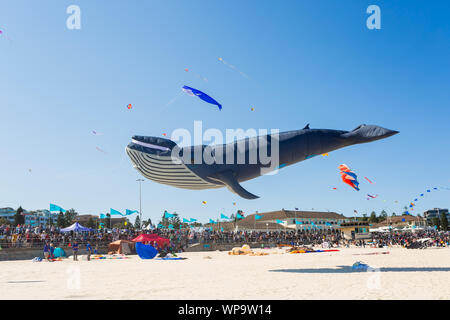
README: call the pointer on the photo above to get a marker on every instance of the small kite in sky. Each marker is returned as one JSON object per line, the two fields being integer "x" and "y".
{"x": 204, "y": 202}
{"x": 164, "y": 134}
{"x": 325, "y": 154}
{"x": 129, "y": 106}
{"x": 334, "y": 188}
{"x": 197, "y": 75}
{"x": 349, "y": 177}
{"x": 368, "y": 180}
{"x": 100, "y": 149}
{"x": 3, "y": 34}
{"x": 96, "y": 133}
{"x": 252, "y": 109}
{"x": 194, "y": 92}
{"x": 233, "y": 67}
{"x": 373, "y": 197}
{"x": 234, "y": 203}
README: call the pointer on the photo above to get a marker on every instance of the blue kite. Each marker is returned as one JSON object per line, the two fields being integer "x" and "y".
{"x": 194, "y": 92}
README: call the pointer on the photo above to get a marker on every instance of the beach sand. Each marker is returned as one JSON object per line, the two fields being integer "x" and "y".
{"x": 402, "y": 274}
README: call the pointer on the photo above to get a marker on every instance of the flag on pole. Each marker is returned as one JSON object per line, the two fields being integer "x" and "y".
{"x": 222, "y": 216}
{"x": 212, "y": 221}
{"x": 257, "y": 217}
{"x": 130, "y": 212}
{"x": 193, "y": 220}
{"x": 114, "y": 212}
{"x": 239, "y": 216}
{"x": 168, "y": 215}
{"x": 54, "y": 207}
{"x": 102, "y": 216}
{"x": 186, "y": 220}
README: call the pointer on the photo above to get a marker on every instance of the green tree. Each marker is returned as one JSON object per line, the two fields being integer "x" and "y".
{"x": 137, "y": 222}
{"x": 373, "y": 217}
{"x": 60, "y": 221}
{"x": 443, "y": 221}
{"x": 364, "y": 217}
{"x": 19, "y": 218}
{"x": 69, "y": 216}
{"x": 383, "y": 216}
{"x": 91, "y": 223}
{"x": 393, "y": 214}
{"x": 107, "y": 221}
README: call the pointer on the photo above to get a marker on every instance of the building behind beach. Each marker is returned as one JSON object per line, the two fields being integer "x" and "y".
{"x": 33, "y": 218}
{"x": 435, "y": 213}
{"x": 287, "y": 220}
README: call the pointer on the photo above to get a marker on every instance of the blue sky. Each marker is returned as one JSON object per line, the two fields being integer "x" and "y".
{"x": 307, "y": 61}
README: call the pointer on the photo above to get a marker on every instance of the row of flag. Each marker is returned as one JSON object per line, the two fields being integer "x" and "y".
{"x": 168, "y": 215}
{"x": 54, "y": 207}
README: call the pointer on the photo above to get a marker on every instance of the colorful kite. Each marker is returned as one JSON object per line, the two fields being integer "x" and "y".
{"x": 194, "y": 92}
{"x": 373, "y": 197}
{"x": 204, "y": 202}
{"x": 129, "y": 106}
{"x": 349, "y": 177}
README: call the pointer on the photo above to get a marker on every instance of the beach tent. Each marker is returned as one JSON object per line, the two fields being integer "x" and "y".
{"x": 145, "y": 251}
{"x": 162, "y": 242}
{"x": 59, "y": 253}
{"x": 121, "y": 247}
{"x": 76, "y": 227}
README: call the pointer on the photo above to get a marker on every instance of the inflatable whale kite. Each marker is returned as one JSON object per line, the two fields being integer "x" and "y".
{"x": 163, "y": 161}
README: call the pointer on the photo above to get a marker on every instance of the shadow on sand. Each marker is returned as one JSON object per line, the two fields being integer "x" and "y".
{"x": 347, "y": 269}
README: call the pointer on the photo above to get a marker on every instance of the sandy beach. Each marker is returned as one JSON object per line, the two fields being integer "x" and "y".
{"x": 401, "y": 274}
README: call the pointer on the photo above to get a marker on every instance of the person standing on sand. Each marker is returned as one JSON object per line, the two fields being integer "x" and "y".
{"x": 89, "y": 251}
{"x": 52, "y": 249}
{"x": 47, "y": 251}
{"x": 75, "y": 250}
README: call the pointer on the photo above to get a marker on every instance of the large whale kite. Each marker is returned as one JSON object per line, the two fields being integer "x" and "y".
{"x": 163, "y": 161}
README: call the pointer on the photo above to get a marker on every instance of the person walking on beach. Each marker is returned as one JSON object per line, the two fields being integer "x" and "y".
{"x": 89, "y": 251}
{"x": 75, "y": 250}
{"x": 47, "y": 251}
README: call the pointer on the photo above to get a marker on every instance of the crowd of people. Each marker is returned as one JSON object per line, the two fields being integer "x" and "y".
{"x": 33, "y": 237}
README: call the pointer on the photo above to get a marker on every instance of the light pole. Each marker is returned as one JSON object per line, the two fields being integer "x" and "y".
{"x": 140, "y": 201}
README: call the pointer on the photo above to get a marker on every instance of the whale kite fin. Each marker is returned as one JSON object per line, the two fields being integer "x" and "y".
{"x": 230, "y": 181}
{"x": 306, "y": 127}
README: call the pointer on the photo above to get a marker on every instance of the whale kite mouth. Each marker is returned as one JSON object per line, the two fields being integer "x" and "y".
{"x": 150, "y": 145}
